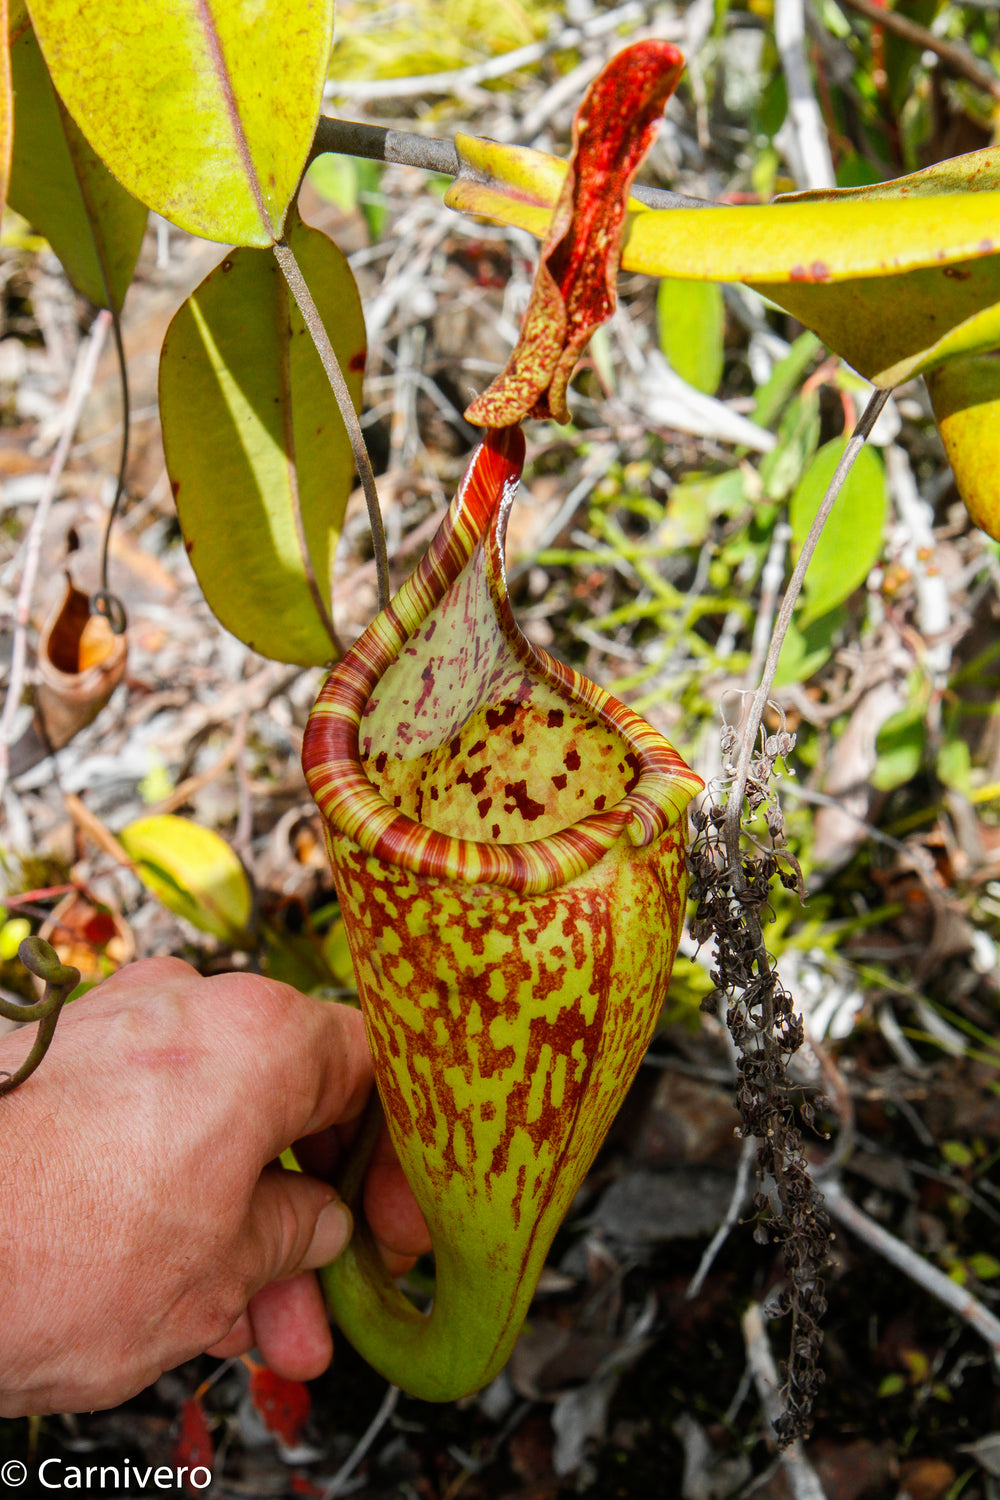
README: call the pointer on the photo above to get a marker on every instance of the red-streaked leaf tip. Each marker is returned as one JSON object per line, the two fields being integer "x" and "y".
{"x": 574, "y": 288}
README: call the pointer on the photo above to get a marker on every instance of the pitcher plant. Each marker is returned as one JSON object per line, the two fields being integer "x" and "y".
{"x": 507, "y": 842}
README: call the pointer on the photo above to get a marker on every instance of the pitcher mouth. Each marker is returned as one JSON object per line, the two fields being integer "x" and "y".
{"x": 412, "y": 749}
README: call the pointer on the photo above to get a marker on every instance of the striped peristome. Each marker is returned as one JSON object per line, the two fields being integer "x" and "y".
{"x": 507, "y": 842}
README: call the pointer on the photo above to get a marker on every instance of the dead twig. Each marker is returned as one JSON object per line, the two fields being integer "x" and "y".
{"x": 91, "y": 826}
{"x": 748, "y": 1155}
{"x": 803, "y": 1481}
{"x": 338, "y": 1484}
{"x": 957, "y": 1299}
{"x": 253, "y": 694}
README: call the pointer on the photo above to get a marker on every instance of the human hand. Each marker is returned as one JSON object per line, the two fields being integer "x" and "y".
{"x": 145, "y": 1220}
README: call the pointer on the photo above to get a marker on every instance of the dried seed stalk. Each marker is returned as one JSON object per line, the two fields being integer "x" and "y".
{"x": 732, "y": 899}
{"x": 732, "y": 872}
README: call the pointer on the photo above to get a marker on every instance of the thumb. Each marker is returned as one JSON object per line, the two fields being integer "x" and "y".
{"x": 294, "y": 1223}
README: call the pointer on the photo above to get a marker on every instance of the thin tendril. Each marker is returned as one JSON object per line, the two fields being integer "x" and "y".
{"x": 42, "y": 960}
{"x": 105, "y": 602}
{"x": 285, "y": 257}
{"x": 734, "y": 804}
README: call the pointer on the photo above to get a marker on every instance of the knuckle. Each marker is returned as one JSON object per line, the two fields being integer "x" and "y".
{"x": 222, "y": 1309}
{"x": 284, "y": 1233}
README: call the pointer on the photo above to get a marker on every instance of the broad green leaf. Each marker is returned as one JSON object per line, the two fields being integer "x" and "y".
{"x": 194, "y": 873}
{"x": 373, "y": 204}
{"x": 806, "y": 650}
{"x": 852, "y": 537}
{"x": 691, "y": 319}
{"x": 254, "y": 441}
{"x": 61, "y": 187}
{"x": 896, "y": 277}
{"x": 203, "y": 109}
{"x": 965, "y": 395}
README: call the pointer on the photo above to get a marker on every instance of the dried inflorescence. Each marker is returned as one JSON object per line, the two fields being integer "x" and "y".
{"x": 731, "y": 900}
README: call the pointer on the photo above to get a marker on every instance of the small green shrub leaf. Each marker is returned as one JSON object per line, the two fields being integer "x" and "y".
{"x": 785, "y": 379}
{"x": 900, "y": 749}
{"x": 852, "y": 538}
{"x": 256, "y": 448}
{"x": 60, "y": 185}
{"x": 798, "y": 438}
{"x": 954, "y": 765}
{"x": 194, "y": 873}
{"x": 203, "y": 109}
{"x": 691, "y": 318}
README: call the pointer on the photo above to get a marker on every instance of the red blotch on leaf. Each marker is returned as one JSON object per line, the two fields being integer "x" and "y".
{"x": 574, "y": 288}
{"x": 283, "y": 1405}
{"x": 194, "y": 1448}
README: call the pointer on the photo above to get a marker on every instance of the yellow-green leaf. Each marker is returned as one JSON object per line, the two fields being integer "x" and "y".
{"x": 852, "y": 537}
{"x": 691, "y": 318}
{"x": 897, "y": 278}
{"x": 901, "y": 326}
{"x": 194, "y": 873}
{"x": 62, "y": 187}
{"x": 844, "y": 234}
{"x": 256, "y": 448}
{"x": 965, "y": 395}
{"x": 6, "y": 108}
{"x": 203, "y": 109}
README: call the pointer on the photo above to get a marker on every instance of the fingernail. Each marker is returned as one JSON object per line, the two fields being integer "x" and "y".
{"x": 333, "y": 1231}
